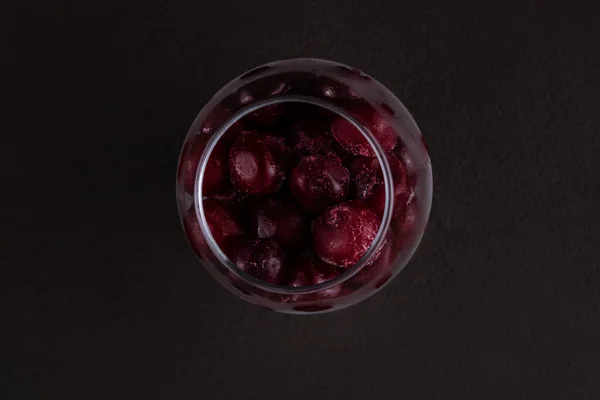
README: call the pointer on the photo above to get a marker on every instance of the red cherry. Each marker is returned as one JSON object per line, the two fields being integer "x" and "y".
{"x": 404, "y": 225}
{"x": 263, "y": 259}
{"x": 216, "y": 175}
{"x": 319, "y": 182}
{"x": 343, "y": 234}
{"x": 380, "y": 267}
{"x": 222, "y": 224}
{"x": 258, "y": 162}
{"x": 231, "y": 197}
{"x": 309, "y": 270}
{"x": 260, "y": 90}
{"x": 193, "y": 232}
{"x": 369, "y": 185}
{"x": 322, "y": 272}
{"x": 352, "y": 140}
{"x": 216, "y": 118}
{"x": 411, "y": 168}
{"x": 188, "y": 163}
{"x": 299, "y": 278}
{"x": 296, "y": 278}
{"x": 280, "y": 220}
{"x": 310, "y": 136}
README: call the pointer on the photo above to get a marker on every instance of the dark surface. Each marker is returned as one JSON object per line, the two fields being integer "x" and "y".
{"x": 102, "y": 298}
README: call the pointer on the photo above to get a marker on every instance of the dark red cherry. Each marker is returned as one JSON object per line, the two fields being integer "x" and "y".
{"x": 352, "y": 140}
{"x": 223, "y": 225}
{"x": 282, "y": 220}
{"x": 188, "y": 164}
{"x": 368, "y": 183}
{"x": 263, "y": 259}
{"x": 343, "y": 234}
{"x": 319, "y": 182}
{"x": 215, "y": 119}
{"x": 405, "y": 224}
{"x": 261, "y": 90}
{"x": 322, "y": 272}
{"x": 408, "y": 161}
{"x": 216, "y": 175}
{"x": 193, "y": 232}
{"x": 307, "y": 270}
{"x": 378, "y": 268}
{"x": 258, "y": 162}
{"x": 310, "y": 136}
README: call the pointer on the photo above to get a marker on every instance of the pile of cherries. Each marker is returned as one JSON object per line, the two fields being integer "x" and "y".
{"x": 294, "y": 194}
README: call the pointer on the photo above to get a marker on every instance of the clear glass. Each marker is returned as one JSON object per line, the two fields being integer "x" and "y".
{"x": 268, "y": 99}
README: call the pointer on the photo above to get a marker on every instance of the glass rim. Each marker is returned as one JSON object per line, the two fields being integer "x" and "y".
{"x": 349, "y": 272}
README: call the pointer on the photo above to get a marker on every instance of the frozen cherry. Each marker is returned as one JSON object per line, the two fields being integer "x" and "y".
{"x": 188, "y": 164}
{"x": 194, "y": 234}
{"x": 404, "y": 225}
{"x": 215, "y": 119}
{"x": 380, "y": 267}
{"x": 222, "y": 224}
{"x": 216, "y": 175}
{"x": 260, "y": 90}
{"x": 343, "y": 234}
{"x": 231, "y": 197}
{"x": 280, "y": 220}
{"x": 263, "y": 259}
{"x": 368, "y": 181}
{"x": 258, "y": 162}
{"x": 352, "y": 140}
{"x": 296, "y": 278}
{"x": 411, "y": 167}
{"x": 321, "y": 272}
{"x": 319, "y": 182}
{"x": 299, "y": 278}
{"x": 310, "y": 136}
{"x": 309, "y": 270}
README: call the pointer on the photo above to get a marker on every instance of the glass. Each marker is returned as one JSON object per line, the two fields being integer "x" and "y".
{"x": 304, "y": 186}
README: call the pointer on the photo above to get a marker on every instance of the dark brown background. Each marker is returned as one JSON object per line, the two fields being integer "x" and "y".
{"x": 102, "y": 298}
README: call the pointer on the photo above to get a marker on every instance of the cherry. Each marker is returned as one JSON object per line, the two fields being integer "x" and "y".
{"x": 322, "y": 272}
{"x": 411, "y": 167}
{"x": 405, "y": 225}
{"x": 310, "y": 136}
{"x": 280, "y": 220}
{"x": 319, "y": 181}
{"x": 188, "y": 164}
{"x": 258, "y": 162}
{"x": 369, "y": 185}
{"x": 299, "y": 278}
{"x": 380, "y": 267}
{"x": 263, "y": 259}
{"x": 309, "y": 270}
{"x": 215, "y": 119}
{"x": 193, "y": 232}
{"x": 260, "y": 90}
{"x": 352, "y": 140}
{"x": 216, "y": 175}
{"x": 222, "y": 224}
{"x": 231, "y": 197}
{"x": 343, "y": 234}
